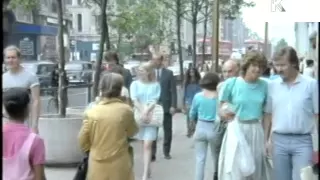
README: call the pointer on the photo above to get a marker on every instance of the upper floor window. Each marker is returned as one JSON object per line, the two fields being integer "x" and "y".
{"x": 79, "y": 19}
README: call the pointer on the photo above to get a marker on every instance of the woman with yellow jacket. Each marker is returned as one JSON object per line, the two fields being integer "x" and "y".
{"x": 105, "y": 131}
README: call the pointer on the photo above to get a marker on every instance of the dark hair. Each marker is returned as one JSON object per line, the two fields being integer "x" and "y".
{"x": 116, "y": 69}
{"x": 16, "y": 102}
{"x": 210, "y": 81}
{"x": 309, "y": 62}
{"x": 111, "y": 56}
{"x": 188, "y": 76}
{"x": 289, "y": 53}
{"x": 253, "y": 57}
{"x": 267, "y": 72}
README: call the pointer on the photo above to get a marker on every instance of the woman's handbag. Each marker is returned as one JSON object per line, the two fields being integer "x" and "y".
{"x": 222, "y": 126}
{"x": 82, "y": 169}
{"x": 155, "y": 116}
{"x": 308, "y": 173}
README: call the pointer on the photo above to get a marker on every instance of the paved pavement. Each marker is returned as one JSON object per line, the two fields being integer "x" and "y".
{"x": 180, "y": 167}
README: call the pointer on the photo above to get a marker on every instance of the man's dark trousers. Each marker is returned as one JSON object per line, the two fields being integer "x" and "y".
{"x": 167, "y": 131}
{"x": 168, "y": 99}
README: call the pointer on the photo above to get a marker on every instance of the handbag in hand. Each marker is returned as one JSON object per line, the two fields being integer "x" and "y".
{"x": 82, "y": 169}
{"x": 222, "y": 126}
{"x": 155, "y": 116}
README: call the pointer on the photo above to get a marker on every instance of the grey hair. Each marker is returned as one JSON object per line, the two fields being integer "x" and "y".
{"x": 110, "y": 85}
{"x": 12, "y": 48}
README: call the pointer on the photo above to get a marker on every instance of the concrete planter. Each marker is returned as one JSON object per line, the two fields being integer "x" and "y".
{"x": 78, "y": 110}
{"x": 61, "y": 138}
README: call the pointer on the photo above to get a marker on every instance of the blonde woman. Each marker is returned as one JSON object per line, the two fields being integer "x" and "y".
{"x": 105, "y": 136}
{"x": 145, "y": 93}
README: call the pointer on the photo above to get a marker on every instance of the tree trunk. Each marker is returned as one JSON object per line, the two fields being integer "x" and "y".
{"x": 194, "y": 39}
{"x": 205, "y": 23}
{"x": 62, "y": 91}
{"x": 101, "y": 47}
{"x": 35, "y": 16}
{"x": 119, "y": 40}
{"x": 178, "y": 19}
{"x": 107, "y": 38}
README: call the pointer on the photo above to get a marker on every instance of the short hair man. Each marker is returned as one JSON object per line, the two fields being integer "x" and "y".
{"x": 168, "y": 100}
{"x": 292, "y": 112}
{"x": 112, "y": 59}
{"x": 229, "y": 69}
{"x": 18, "y": 76}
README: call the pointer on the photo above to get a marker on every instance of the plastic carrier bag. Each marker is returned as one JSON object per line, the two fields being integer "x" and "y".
{"x": 244, "y": 159}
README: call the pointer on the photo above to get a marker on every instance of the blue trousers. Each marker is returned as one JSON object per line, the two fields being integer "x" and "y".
{"x": 204, "y": 138}
{"x": 290, "y": 154}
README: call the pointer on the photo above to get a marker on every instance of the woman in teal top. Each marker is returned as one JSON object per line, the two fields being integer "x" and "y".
{"x": 203, "y": 110}
{"x": 245, "y": 98}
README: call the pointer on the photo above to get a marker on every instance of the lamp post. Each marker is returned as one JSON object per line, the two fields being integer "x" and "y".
{"x": 215, "y": 36}
{"x": 266, "y": 37}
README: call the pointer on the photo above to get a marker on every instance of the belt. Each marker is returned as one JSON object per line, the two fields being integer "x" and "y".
{"x": 254, "y": 121}
{"x": 208, "y": 121}
{"x": 293, "y": 134}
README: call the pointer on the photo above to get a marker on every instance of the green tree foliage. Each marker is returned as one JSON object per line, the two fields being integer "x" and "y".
{"x": 138, "y": 22}
{"x": 280, "y": 44}
{"x": 25, "y": 4}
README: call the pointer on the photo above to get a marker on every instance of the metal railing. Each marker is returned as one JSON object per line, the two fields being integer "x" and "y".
{"x": 78, "y": 86}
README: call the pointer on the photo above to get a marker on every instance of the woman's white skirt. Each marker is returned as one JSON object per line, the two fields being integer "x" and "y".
{"x": 253, "y": 134}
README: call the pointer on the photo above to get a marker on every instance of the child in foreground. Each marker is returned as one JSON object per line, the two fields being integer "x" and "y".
{"x": 203, "y": 110}
{"x": 23, "y": 150}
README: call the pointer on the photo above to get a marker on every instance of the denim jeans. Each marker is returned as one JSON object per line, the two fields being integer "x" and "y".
{"x": 290, "y": 154}
{"x": 204, "y": 137}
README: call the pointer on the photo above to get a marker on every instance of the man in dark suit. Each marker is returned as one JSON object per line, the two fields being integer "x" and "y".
{"x": 168, "y": 100}
{"x": 112, "y": 59}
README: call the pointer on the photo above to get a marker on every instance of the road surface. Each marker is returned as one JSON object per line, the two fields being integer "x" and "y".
{"x": 180, "y": 167}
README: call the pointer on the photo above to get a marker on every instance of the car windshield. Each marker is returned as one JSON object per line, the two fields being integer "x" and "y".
{"x": 45, "y": 69}
{"x": 31, "y": 68}
{"x": 73, "y": 67}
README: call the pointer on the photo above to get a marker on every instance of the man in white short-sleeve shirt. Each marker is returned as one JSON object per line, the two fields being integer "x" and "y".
{"x": 291, "y": 114}
{"x": 19, "y": 77}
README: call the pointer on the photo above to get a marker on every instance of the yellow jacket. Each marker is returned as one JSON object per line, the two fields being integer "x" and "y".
{"x": 105, "y": 132}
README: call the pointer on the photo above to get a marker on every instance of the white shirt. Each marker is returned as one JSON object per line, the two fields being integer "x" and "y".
{"x": 124, "y": 92}
{"x": 308, "y": 71}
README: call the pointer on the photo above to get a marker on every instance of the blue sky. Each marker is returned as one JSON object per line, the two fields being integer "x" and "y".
{"x": 277, "y": 30}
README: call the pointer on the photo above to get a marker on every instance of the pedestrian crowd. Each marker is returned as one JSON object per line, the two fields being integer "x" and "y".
{"x": 257, "y": 113}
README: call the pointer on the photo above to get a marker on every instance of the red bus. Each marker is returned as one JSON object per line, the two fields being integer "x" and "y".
{"x": 225, "y": 48}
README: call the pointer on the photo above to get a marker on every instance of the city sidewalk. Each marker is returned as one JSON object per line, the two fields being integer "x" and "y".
{"x": 180, "y": 167}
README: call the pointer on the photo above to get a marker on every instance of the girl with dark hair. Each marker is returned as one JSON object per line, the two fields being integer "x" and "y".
{"x": 191, "y": 88}
{"x": 203, "y": 111}
{"x": 21, "y": 146}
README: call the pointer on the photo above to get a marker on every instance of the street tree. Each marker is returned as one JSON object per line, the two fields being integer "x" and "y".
{"x": 206, "y": 14}
{"x": 138, "y": 22}
{"x": 229, "y": 9}
{"x": 280, "y": 44}
{"x": 193, "y": 17}
{"x": 62, "y": 90}
{"x": 104, "y": 40}
{"x": 177, "y": 8}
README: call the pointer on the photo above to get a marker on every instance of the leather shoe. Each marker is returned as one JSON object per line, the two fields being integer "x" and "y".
{"x": 167, "y": 157}
{"x": 153, "y": 158}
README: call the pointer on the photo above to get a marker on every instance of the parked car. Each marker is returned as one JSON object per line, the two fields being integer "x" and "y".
{"x": 79, "y": 72}
{"x": 43, "y": 70}
{"x": 132, "y": 66}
